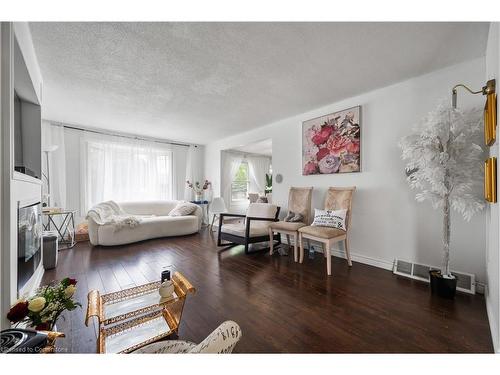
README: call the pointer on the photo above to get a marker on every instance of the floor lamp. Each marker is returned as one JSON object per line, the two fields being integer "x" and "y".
{"x": 47, "y": 151}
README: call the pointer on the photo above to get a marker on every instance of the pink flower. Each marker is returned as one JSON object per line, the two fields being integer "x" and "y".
{"x": 310, "y": 152}
{"x": 353, "y": 146}
{"x": 322, "y": 153}
{"x": 323, "y": 135}
{"x": 310, "y": 168}
{"x": 337, "y": 145}
{"x": 329, "y": 164}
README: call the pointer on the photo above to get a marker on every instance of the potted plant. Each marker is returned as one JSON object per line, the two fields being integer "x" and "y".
{"x": 42, "y": 310}
{"x": 269, "y": 183}
{"x": 445, "y": 162}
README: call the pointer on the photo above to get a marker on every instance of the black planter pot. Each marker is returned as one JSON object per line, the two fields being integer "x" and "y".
{"x": 443, "y": 287}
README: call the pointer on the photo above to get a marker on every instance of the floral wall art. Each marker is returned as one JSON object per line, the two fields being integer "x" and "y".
{"x": 331, "y": 143}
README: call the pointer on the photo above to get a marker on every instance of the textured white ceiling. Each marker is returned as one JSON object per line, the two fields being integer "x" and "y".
{"x": 198, "y": 82}
{"x": 264, "y": 147}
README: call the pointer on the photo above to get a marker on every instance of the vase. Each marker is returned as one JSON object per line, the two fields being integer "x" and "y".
{"x": 52, "y": 336}
{"x": 443, "y": 287}
{"x": 198, "y": 197}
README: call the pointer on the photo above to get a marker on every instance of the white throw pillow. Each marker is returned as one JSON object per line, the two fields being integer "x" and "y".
{"x": 183, "y": 209}
{"x": 332, "y": 219}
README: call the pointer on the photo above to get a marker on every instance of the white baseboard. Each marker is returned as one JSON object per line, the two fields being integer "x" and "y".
{"x": 386, "y": 265}
{"x": 493, "y": 325}
{"x": 380, "y": 263}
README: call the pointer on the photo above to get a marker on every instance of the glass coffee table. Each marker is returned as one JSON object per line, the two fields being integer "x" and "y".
{"x": 134, "y": 317}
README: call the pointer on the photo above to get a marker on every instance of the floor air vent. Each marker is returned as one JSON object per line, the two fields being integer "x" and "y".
{"x": 465, "y": 282}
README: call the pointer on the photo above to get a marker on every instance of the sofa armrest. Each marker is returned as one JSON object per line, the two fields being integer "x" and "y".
{"x": 198, "y": 212}
{"x": 93, "y": 228}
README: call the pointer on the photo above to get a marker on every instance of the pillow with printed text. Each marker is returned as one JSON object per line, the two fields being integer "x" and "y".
{"x": 331, "y": 219}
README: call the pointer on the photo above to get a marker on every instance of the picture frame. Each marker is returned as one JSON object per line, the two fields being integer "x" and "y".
{"x": 332, "y": 143}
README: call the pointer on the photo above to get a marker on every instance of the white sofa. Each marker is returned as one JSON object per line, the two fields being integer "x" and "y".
{"x": 154, "y": 223}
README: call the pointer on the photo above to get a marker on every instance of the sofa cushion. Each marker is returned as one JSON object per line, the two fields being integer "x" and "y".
{"x": 322, "y": 232}
{"x": 183, "y": 209}
{"x": 149, "y": 227}
{"x": 257, "y": 229}
{"x": 264, "y": 210}
{"x": 157, "y": 208}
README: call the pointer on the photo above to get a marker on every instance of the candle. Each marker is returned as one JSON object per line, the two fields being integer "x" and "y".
{"x": 165, "y": 275}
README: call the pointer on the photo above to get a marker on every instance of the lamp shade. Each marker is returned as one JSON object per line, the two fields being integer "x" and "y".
{"x": 218, "y": 206}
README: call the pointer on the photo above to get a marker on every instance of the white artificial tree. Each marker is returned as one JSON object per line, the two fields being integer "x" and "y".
{"x": 445, "y": 162}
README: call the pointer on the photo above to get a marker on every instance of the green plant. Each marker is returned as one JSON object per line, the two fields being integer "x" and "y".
{"x": 269, "y": 183}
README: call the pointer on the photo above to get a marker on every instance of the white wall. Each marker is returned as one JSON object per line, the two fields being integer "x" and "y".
{"x": 73, "y": 176}
{"x": 387, "y": 222}
{"x": 492, "y": 215}
{"x": 15, "y": 186}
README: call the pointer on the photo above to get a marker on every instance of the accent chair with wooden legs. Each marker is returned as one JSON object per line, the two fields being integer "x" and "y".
{"x": 337, "y": 198}
{"x": 299, "y": 203}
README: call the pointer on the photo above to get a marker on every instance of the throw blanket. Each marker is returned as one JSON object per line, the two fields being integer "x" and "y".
{"x": 111, "y": 213}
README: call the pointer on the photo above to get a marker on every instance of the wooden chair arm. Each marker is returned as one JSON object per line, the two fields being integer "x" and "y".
{"x": 262, "y": 218}
{"x": 231, "y": 215}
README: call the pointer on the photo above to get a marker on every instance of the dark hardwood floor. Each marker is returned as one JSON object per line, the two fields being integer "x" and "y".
{"x": 281, "y": 306}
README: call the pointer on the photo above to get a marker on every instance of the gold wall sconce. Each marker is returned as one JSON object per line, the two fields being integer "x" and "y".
{"x": 490, "y": 108}
{"x": 490, "y": 180}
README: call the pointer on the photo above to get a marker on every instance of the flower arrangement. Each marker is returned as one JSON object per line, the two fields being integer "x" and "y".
{"x": 42, "y": 310}
{"x": 198, "y": 188}
{"x": 331, "y": 144}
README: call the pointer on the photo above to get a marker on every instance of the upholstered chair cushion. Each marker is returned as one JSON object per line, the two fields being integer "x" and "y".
{"x": 322, "y": 232}
{"x": 222, "y": 340}
{"x": 257, "y": 229}
{"x": 286, "y": 225}
{"x": 264, "y": 210}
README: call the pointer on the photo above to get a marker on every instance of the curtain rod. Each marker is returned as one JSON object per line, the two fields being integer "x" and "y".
{"x": 119, "y": 135}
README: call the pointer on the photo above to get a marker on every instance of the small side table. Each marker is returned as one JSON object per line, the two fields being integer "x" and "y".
{"x": 65, "y": 229}
{"x": 204, "y": 209}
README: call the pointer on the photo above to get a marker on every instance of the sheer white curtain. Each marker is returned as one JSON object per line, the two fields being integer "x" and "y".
{"x": 53, "y": 146}
{"x": 230, "y": 164}
{"x": 258, "y": 167}
{"x": 115, "y": 168}
{"x": 194, "y": 170}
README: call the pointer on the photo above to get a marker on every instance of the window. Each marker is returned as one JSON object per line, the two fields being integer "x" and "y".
{"x": 126, "y": 171}
{"x": 240, "y": 184}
